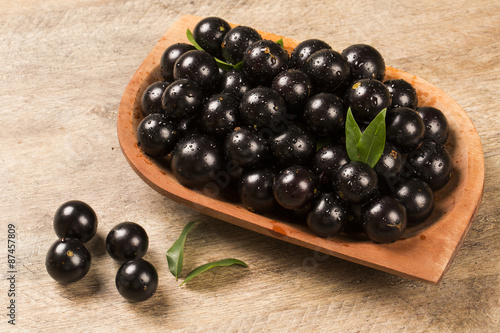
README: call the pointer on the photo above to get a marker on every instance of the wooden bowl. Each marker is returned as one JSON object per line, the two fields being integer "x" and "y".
{"x": 424, "y": 254}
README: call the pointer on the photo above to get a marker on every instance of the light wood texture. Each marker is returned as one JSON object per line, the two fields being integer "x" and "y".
{"x": 64, "y": 66}
{"x": 424, "y": 254}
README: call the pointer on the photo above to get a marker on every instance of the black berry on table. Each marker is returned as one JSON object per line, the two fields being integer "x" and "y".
{"x": 198, "y": 66}
{"x": 136, "y": 280}
{"x": 127, "y": 240}
{"x": 255, "y": 189}
{"x": 405, "y": 128}
{"x": 327, "y": 215}
{"x": 304, "y": 50}
{"x": 365, "y": 62}
{"x": 366, "y": 98}
{"x": 263, "y": 60}
{"x": 67, "y": 260}
{"x": 402, "y": 94}
{"x": 327, "y": 69}
{"x": 75, "y": 219}
{"x": 170, "y": 56}
{"x": 182, "y": 99}
{"x": 436, "y": 124}
{"x": 294, "y": 187}
{"x": 384, "y": 220}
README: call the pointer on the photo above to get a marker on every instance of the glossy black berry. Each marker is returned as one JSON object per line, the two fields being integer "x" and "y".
{"x": 263, "y": 60}
{"x": 294, "y": 187}
{"x": 366, "y": 98}
{"x": 255, "y": 189}
{"x": 294, "y": 145}
{"x": 418, "y": 199}
{"x": 75, "y": 219}
{"x": 151, "y": 98}
{"x": 235, "y": 82}
{"x": 384, "y": 220}
{"x": 327, "y": 215}
{"x": 327, "y": 69}
{"x": 209, "y": 34}
{"x": 355, "y": 182}
{"x": 127, "y": 240}
{"x": 294, "y": 87}
{"x": 136, "y": 280}
{"x": 324, "y": 114}
{"x": 404, "y": 128}
{"x": 67, "y": 260}
{"x": 245, "y": 147}
{"x": 304, "y": 50}
{"x": 198, "y": 66}
{"x": 402, "y": 94}
{"x": 436, "y": 124}
{"x": 432, "y": 163}
{"x": 182, "y": 99}
{"x": 365, "y": 62}
{"x": 327, "y": 161}
{"x": 389, "y": 167}
{"x": 236, "y": 41}
{"x": 196, "y": 159}
{"x": 265, "y": 108}
{"x": 156, "y": 135}
{"x": 170, "y": 56}
{"x": 220, "y": 115}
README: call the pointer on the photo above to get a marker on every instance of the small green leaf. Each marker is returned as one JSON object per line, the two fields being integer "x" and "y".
{"x": 280, "y": 42}
{"x": 190, "y": 38}
{"x": 175, "y": 255}
{"x": 371, "y": 145}
{"x": 224, "y": 65}
{"x": 238, "y": 65}
{"x": 221, "y": 263}
{"x": 352, "y": 136}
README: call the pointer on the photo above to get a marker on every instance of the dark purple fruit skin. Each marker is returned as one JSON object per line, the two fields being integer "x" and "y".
{"x": 432, "y": 163}
{"x": 418, "y": 199}
{"x": 265, "y": 108}
{"x": 366, "y": 98}
{"x": 327, "y": 215}
{"x": 384, "y": 220}
{"x": 389, "y": 167}
{"x": 255, "y": 189}
{"x": 303, "y": 50}
{"x": 220, "y": 115}
{"x": 327, "y": 69}
{"x": 355, "y": 182}
{"x": 294, "y": 187}
{"x": 198, "y": 66}
{"x": 136, "y": 280}
{"x": 324, "y": 114}
{"x": 151, "y": 98}
{"x": 327, "y": 161}
{"x": 365, "y": 62}
{"x": 75, "y": 219}
{"x": 170, "y": 56}
{"x": 67, "y": 260}
{"x": 182, "y": 99}
{"x": 436, "y": 124}
{"x": 196, "y": 159}
{"x": 294, "y": 145}
{"x": 235, "y": 82}
{"x": 236, "y": 41}
{"x": 245, "y": 148}
{"x": 294, "y": 87}
{"x": 263, "y": 60}
{"x": 127, "y": 240}
{"x": 404, "y": 128}
{"x": 209, "y": 34}
{"x": 156, "y": 135}
{"x": 402, "y": 94}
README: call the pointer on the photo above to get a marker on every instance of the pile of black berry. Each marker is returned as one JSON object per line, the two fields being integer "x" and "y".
{"x": 238, "y": 111}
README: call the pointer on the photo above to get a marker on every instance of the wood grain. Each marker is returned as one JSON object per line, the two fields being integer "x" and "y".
{"x": 64, "y": 66}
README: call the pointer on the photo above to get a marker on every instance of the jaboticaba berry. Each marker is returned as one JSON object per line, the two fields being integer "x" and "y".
{"x": 268, "y": 127}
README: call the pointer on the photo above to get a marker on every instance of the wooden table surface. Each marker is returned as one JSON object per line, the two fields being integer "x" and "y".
{"x": 63, "y": 68}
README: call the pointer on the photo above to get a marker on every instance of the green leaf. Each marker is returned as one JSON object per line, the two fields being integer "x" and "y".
{"x": 280, "y": 42}
{"x": 221, "y": 263}
{"x": 175, "y": 255}
{"x": 372, "y": 142}
{"x": 352, "y": 136}
{"x": 224, "y": 65}
{"x": 238, "y": 65}
{"x": 190, "y": 38}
